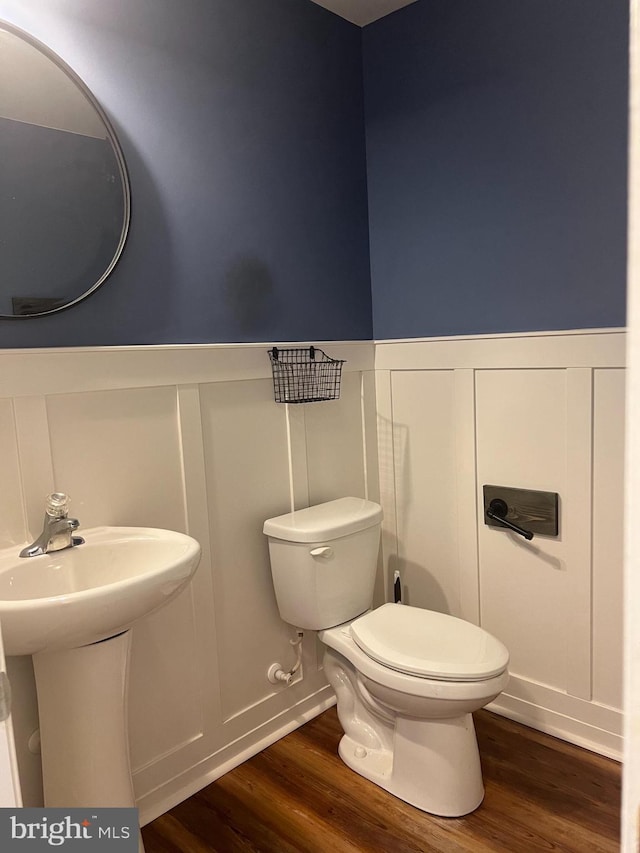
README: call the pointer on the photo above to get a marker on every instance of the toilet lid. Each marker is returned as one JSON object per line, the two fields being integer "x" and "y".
{"x": 429, "y": 644}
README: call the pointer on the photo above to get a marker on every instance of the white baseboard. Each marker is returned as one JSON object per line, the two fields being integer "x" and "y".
{"x": 176, "y": 790}
{"x": 180, "y": 788}
{"x": 553, "y": 723}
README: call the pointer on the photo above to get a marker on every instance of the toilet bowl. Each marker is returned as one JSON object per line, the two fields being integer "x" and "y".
{"x": 407, "y": 680}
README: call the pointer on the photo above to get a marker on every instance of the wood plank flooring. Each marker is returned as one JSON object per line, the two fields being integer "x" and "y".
{"x": 298, "y": 797}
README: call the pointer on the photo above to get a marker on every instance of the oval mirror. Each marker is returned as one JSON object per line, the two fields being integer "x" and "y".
{"x": 64, "y": 191}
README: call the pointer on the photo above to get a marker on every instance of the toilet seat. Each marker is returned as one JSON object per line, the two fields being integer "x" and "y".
{"x": 341, "y": 640}
{"x": 428, "y": 644}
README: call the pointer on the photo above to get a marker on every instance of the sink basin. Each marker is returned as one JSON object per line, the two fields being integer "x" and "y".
{"x": 92, "y": 591}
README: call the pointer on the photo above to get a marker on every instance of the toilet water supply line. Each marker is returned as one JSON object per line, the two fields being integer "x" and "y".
{"x": 276, "y": 673}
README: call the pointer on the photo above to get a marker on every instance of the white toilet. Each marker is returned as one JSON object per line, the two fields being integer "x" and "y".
{"x": 407, "y": 680}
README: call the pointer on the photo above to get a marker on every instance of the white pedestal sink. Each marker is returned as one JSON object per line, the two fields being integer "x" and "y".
{"x": 72, "y": 611}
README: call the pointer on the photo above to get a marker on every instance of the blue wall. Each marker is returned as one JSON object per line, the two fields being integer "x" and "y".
{"x": 242, "y": 126}
{"x": 496, "y": 154}
{"x": 495, "y": 161}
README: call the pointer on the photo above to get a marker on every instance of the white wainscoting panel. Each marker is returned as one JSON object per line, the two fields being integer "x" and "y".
{"x": 34, "y": 448}
{"x": 425, "y": 484}
{"x": 466, "y": 483}
{"x": 12, "y": 522}
{"x": 386, "y": 444}
{"x": 118, "y": 454}
{"x": 371, "y": 468}
{"x": 187, "y": 438}
{"x": 521, "y": 435}
{"x": 608, "y": 489}
{"x": 541, "y": 411}
{"x": 334, "y": 445}
{"x": 190, "y": 438}
{"x": 370, "y": 434}
{"x": 576, "y": 529}
{"x": 295, "y": 416}
{"x": 246, "y": 465}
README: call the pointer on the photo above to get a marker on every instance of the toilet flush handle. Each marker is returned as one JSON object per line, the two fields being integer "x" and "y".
{"x": 323, "y": 551}
{"x": 497, "y": 511}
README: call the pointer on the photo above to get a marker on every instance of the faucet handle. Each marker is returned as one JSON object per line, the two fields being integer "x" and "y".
{"x": 57, "y": 505}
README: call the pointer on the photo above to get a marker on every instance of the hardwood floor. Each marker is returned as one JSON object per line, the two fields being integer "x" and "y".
{"x": 298, "y": 797}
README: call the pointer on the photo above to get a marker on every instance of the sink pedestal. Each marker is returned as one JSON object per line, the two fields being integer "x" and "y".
{"x": 71, "y": 610}
{"x": 82, "y": 702}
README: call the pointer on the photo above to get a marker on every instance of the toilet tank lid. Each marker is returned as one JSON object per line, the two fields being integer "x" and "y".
{"x": 325, "y": 521}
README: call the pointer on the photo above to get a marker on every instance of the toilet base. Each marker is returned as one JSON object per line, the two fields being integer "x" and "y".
{"x": 434, "y": 765}
{"x": 430, "y": 761}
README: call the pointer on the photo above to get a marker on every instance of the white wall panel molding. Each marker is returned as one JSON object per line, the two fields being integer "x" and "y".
{"x": 466, "y": 486}
{"x": 387, "y": 477}
{"x": 62, "y": 371}
{"x": 369, "y": 419}
{"x": 14, "y": 458}
{"x": 295, "y": 419}
{"x": 580, "y": 348}
{"x": 370, "y": 435}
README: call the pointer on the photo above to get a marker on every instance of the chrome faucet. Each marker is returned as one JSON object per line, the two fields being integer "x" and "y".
{"x": 57, "y": 529}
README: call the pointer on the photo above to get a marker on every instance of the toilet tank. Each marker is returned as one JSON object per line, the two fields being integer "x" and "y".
{"x": 323, "y": 561}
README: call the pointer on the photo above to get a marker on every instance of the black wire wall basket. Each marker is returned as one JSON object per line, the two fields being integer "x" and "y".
{"x": 304, "y": 375}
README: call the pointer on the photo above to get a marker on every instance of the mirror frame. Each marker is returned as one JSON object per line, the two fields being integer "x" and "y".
{"x": 122, "y": 168}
